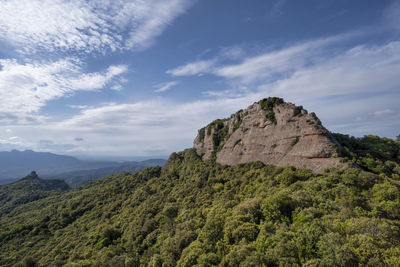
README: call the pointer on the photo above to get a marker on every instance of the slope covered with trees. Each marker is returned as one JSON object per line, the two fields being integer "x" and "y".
{"x": 28, "y": 189}
{"x": 195, "y": 212}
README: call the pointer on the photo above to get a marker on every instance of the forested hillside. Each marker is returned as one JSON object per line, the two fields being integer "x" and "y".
{"x": 28, "y": 189}
{"x": 195, "y": 212}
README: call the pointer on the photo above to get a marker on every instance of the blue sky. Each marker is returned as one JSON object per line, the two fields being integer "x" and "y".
{"x": 139, "y": 78}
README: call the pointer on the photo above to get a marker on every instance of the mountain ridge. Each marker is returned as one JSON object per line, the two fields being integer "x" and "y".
{"x": 80, "y": 177}
{"x": 15, "y": 163}
{"x": 28, "y": 189}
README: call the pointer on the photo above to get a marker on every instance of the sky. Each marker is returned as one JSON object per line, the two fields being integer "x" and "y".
{"x": 138, "y": 78}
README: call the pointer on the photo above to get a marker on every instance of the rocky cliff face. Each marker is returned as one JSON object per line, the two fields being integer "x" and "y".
{"x": 273, "y": 132}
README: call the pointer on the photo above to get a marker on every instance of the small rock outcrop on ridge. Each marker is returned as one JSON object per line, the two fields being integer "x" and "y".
{"x": 273, "y": 132}
{"x": 28, "y": 189}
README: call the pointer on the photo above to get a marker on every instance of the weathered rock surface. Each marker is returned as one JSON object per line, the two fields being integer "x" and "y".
{"x": 273, "y": 132}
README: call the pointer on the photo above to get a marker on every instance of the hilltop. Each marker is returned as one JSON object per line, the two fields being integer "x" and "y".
{"x": 28, "y": 189}
{"x": 273, "y": 132}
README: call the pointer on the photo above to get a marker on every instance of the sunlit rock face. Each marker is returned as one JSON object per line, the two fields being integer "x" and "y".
{"x": 273, "y": 132}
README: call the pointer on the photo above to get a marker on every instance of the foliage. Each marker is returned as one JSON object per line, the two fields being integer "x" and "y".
{"x": 220, "y": 130}
{"x": 26, "y": 190}
{"x": 202, "y": 133}
{"x": 196, "y": 212}
{"x": 268, "y": 104}
{"x": 295, "y": 141}
{"x": 375, "y": 154}
{"x": 239, "y": 119}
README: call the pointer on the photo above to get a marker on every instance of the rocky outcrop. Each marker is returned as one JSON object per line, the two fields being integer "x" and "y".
{"x": 273, "y": 132}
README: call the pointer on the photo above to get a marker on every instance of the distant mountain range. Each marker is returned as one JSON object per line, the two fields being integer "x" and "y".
{"x": 15, "y": 164}
{"x": 77, "y": 178}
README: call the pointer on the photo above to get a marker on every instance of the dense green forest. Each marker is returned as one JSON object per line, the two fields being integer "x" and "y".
{"x": 199, "y": 213}
{"x": 28, "y": 189}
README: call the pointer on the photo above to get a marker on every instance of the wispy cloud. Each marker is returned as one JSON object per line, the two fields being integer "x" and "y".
{"x": 384, "y": 112}
{"x": 359, "y": 70}
{"x": 34, "y": 84}
{"x": 281, "y": 62}
{"x": 148, "y": 19}
{"x": 262, "y": 66}
{"x": 193, "y": 68}
{"x": 79, "y": 106}
{"x": 162, "y": 87}
{"x": 55, "y": 29}
{"x": 86, "y": 26}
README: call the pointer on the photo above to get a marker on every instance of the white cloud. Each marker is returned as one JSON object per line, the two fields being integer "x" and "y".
{"x": 79, "y": 106}
{"x": 263, "y": 66}
{"x": 277, "y": 62}
{"x": 117, "y": 87}
{"x": 25, "y": 88}
{"x": 385, "y": 112}
{"x": 148, "y": 19}
{"x": 11, "y": 141}
{"x": 232, "y": 52}
{"x": 162, "y": 87}
{"x": 193, "y": 68}
{"x": 97, "y": 25}
{"x": 359, "y": 70}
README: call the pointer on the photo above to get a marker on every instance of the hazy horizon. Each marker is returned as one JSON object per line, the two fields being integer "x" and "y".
{"x": 98, "y": 157}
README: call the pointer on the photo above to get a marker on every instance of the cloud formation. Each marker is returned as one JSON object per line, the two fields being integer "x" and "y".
{"x": 55, "y": 29}
{"x": 25, "y": 88}
{"x": 86, "y": 26}
{"x": 193, "y": 68}
{"x": 162, "y": 87}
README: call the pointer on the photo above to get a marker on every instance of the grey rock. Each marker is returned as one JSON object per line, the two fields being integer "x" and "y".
{"x": 273, "y": 132}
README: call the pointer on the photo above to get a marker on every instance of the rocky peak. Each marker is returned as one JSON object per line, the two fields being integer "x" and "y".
{"x": 271, "y": 131}
{"x": 32, "y": 176}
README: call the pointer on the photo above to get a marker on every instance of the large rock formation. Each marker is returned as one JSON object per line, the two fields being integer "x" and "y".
{"x": 273, "y": 132}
